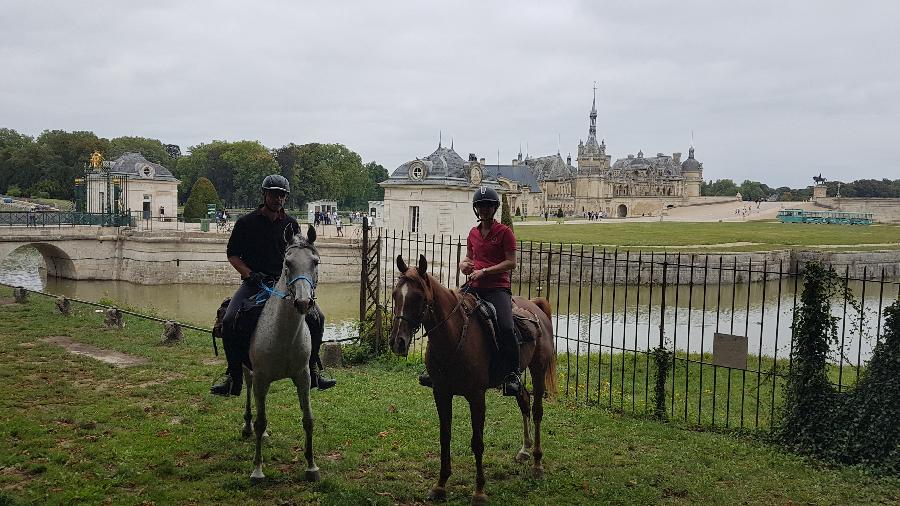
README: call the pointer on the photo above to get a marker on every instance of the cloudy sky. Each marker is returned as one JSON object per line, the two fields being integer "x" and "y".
{"x": 773, "y": 91}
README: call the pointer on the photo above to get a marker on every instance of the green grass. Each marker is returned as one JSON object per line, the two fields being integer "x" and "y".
{"x": 764, "y": 235}
{"x": 78, "y": 431}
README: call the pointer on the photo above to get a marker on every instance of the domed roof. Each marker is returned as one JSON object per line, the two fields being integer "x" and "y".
{"x": 691, "y": 164}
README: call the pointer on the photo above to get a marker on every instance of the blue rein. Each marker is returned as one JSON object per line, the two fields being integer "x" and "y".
{"x": 281, "y": 295}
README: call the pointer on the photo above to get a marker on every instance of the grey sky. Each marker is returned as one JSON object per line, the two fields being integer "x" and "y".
{"x": 774, "y": 91}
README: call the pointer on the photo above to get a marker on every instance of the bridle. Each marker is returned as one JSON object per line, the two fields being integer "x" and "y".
{"x": 292, "y": 292}
{"x": 428, "y": 307}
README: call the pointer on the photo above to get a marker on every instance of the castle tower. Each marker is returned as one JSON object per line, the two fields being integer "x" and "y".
{"x": 692, "y": 171}
{"x": 592, "y": 157}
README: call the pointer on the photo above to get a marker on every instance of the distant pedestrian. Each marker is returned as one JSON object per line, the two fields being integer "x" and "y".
{"x": 339, "y": 226}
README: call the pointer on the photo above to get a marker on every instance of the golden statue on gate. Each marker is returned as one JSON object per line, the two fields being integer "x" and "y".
{"x": 96, "y": 159}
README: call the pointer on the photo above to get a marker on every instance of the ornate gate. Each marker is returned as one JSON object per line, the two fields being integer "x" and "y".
{"x": 369, "y": 288}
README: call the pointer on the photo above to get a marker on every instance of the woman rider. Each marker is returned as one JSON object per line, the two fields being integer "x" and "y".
{"x": 490, "y": 256}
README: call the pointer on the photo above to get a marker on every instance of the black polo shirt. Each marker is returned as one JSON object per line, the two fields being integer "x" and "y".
{"x": 260, "y": 242}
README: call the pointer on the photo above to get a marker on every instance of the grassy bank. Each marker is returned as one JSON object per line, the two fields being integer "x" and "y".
{"x": 79, "y": 431}
{"x": 721, "y": 236}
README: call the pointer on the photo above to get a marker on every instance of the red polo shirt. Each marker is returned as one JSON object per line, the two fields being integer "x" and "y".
{"x": 489, "y": 251}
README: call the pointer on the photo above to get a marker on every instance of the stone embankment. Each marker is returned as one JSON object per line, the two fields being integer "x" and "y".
{"x": 171, "y": 256}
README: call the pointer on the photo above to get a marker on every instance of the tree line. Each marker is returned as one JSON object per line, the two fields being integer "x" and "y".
{"x": 754, "y": 190}
{"x": 47, "y": 165}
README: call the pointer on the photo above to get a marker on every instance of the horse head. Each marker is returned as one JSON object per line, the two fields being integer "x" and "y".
{"x": 413, "y": 298}
{"x": 301, "y": 269}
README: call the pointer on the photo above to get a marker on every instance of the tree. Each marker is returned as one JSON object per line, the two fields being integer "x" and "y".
{"x": 202, "y": 194}
{"x": 63, "y": 156}
{"x": 14, "y": 191}
{"x": 719, "y": 188}
{"x": 151, "y": 149}
{"x": 505, "y": 216}
{"x": 754, "y": 190}
{"x": 173, "y": 150}
{"x": 249, "y": 162}
{"x": 326, "y": 171}
{"x": 377, "y": 174}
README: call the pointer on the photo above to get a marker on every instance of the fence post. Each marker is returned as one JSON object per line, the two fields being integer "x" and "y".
{"x": 363, "y": 254}
{"x": 660, "y": 354}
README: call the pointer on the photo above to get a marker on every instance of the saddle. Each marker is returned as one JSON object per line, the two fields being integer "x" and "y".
{"x": 525, "y": 323}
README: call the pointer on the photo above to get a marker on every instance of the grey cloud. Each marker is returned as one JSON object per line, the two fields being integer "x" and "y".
{"x": 774, "y": 91}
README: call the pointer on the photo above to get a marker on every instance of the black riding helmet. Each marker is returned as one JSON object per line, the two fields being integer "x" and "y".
{"x": 485, "y": 195}
{"x": 276, "y": 182}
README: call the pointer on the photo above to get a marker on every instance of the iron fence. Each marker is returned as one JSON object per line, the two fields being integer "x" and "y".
{"x": 612, "y": 308}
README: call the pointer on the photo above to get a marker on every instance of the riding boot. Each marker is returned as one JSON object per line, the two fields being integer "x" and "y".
{"x": 229, "y": 384}
{"x": 320, "y": 382}
{"x": 512, "y": 383}
{"x": 425, "y": 380}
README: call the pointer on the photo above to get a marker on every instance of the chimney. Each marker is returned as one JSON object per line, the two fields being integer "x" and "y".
{"x": 481, "y": 161}
{"x": 676, "y": 157}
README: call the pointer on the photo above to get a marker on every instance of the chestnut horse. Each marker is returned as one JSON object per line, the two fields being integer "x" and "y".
{"x": 458, "y": 360}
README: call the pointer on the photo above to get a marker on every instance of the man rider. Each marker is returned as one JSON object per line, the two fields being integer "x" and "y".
{"x": 256, "y": 251}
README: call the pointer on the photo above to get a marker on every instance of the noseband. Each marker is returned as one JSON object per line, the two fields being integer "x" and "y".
{"x": 292, "y": 293}
{"x": 428, "y": 307}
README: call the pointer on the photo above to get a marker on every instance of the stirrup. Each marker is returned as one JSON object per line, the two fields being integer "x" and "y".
{"x": 511, "y": 385}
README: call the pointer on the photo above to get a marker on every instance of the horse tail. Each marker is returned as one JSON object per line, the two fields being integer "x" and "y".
{"x": 550, "y": 386}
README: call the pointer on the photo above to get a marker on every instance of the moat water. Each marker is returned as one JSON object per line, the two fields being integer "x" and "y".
{"x": 600, "y": 319}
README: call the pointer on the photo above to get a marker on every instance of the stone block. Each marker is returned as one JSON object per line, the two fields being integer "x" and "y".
{"x": 20, "y": 294}
{"x": 172, "y": 333}
{"x": 114, "y": 319}
{"x": 331, "y": 355}
{"x": 64, "y": 306}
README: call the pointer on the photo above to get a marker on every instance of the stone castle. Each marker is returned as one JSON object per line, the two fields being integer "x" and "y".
{"x": 433, "y": 194}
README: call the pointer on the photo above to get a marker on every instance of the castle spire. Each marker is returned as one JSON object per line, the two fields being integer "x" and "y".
{"x": 593, "y": 129}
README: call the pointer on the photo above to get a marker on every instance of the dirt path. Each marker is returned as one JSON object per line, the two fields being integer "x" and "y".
{"x": 115, "y": 358}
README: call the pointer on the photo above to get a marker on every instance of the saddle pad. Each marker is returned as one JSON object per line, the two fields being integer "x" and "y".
{"x": 527, "y": 324}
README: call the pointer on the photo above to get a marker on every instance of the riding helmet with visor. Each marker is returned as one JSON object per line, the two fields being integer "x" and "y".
{"x": 276, "y": 182}
{"x": 485, "y": 197}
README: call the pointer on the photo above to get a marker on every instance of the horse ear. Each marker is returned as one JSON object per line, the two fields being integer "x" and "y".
{"x": 423, "y": 267}
{"x": 310, "y": 234}
{"x": 401, "y": 265}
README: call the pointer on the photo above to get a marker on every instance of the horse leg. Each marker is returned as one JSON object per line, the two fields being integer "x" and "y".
{"x": 476, "y": 408}
{"x": 537, "y": 377}
{"x": 248, "y": 415}
{"x": 259, "y": 427}
{"x": 525, "y": 408}
{"x": 301, "y": 381}
{"x": 444, "y": 403}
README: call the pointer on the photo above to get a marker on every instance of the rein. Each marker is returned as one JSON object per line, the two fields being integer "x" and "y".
{"x": 284, "y": 296}
{"x": 429, "y": 308}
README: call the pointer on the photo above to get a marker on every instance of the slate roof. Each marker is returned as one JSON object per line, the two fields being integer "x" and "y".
{"x": 661, "y": 163}
{"x": 550, "y": 167}
{"x": 443, "y": 163}
{"x": 521, "y": 174}
{"x": 691, "y": 164}
{"x": 132, "y": 163}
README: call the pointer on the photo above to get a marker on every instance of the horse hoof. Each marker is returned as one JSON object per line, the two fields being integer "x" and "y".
{"x": 522, "y": 457}
{"x": 480, "y": 498}
{"x": 313, "y": 475}
{"x": 437, "y": 494}
{"x": 266, "y": 435}
{"x": 537, "y": 473}
{"x": 246, "y": 433}
{"x": 257, "y": 476}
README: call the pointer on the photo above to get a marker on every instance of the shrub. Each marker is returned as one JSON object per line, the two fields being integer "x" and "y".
{"x": 14, "y": 190}
{"x": 505, "y": 216}
{"x": 202, "y": 194}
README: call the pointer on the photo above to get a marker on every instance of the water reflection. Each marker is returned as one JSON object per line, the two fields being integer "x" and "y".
{"x": 599, "y": 318}
{"x": 189, "y": 303}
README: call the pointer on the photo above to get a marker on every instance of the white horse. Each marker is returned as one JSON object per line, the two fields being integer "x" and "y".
{"x": 281, "y": 344}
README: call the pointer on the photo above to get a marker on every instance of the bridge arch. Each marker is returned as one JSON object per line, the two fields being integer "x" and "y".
{"x": 58, "y": 263}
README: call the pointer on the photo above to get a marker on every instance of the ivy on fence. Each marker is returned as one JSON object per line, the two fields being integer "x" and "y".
{"x": 857, "y": 426}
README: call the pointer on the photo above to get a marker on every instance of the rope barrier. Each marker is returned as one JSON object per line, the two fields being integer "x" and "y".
{"x": 139, "y": 315}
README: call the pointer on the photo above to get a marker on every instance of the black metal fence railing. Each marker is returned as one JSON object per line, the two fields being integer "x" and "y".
{"x": 612, "y": 308}
{"x": 64, "y": 218}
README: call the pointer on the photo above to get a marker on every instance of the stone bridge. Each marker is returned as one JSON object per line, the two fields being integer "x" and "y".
{"x": 153, "y": 257}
